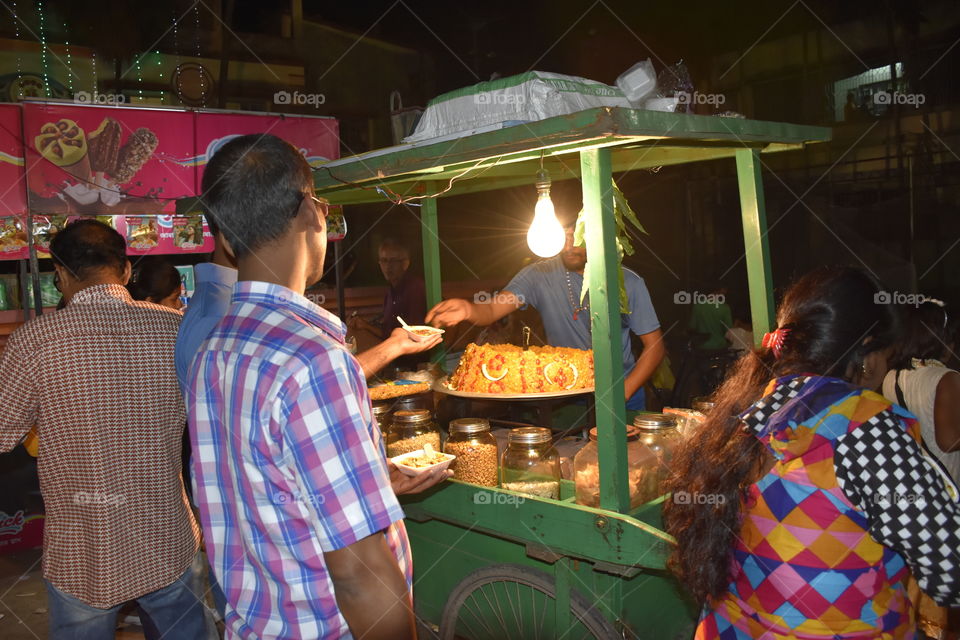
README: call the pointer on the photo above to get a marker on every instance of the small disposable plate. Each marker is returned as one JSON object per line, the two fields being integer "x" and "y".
{"x": 402, "y": 463}
{"x": 421, "y": 332}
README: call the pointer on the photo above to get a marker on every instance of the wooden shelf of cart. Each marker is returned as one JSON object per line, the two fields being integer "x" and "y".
{"x": 489, "y": 561}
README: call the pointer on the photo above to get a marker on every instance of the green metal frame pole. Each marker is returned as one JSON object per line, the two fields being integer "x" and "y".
{"x": 756, "y": 246}
{"x": 429, "y": 231}
{"x": 430, "y": 236}
{"x": 601, "y": 233}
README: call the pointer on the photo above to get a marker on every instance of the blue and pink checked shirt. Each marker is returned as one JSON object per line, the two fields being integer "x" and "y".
{"x": 288, "y": 463}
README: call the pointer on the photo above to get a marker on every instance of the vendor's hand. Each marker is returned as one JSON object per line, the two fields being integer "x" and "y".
{"x": 449, "y": 313}
{"x": 403, "y": 484}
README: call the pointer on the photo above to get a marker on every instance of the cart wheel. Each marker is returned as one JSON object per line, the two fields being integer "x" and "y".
{"x": 513, "y": 602}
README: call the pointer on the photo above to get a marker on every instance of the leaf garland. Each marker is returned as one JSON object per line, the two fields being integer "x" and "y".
{"x": 623, "y": 215}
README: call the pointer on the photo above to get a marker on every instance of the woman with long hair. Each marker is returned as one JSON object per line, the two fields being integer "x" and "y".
{"x": 802, "y": 503}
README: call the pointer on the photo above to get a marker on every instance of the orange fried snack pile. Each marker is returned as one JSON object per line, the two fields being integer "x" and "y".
{"x": 506, "y": 368}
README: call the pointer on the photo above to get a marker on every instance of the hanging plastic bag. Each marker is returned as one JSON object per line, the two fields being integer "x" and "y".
{"x": 402, "y": 121}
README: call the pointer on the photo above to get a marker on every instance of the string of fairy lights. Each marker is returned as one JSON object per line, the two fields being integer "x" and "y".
{"x": 16, "y": 28}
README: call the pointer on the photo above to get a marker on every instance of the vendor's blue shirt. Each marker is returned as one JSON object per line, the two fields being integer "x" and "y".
{"x": 208, "y": 305}
{"x": 544, "y": 285}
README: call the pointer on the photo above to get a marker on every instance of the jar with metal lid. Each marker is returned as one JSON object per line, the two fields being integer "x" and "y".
{"x": 530, "y": 464}
{"x": 659, "y": 432}
{"x": 702, "y": 405}
{"x": 641, "y": 467}
{"x": 410, "y": 430}
{"x": 476, "y": 450}
{"x": 381, "y": 413}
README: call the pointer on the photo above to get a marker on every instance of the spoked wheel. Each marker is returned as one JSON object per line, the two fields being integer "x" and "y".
{"x": 513, "y": 602}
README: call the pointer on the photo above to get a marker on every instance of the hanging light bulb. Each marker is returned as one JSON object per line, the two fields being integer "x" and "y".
{"x": 545, "y": 237}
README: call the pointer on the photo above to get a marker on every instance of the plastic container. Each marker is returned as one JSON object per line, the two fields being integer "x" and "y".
{"x": 659, "y": 432}
{"x": 638, "y": 82}
{"x": 476, "y": 450}
{"x": 410, "y": 430}
{"x": 642, "y": 473}
{"x": 531, "y": 464}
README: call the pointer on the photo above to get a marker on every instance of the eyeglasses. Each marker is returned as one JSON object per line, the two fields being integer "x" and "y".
{"x": 322, "y": 205}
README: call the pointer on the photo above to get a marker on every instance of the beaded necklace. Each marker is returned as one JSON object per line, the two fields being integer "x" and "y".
{"x": 573, "y": 305}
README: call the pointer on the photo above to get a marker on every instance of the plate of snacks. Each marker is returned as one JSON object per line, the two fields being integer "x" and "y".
{"x": 397, "y": 388}
{"x": 426, "y": 460}
{"x": 421, "y": 332}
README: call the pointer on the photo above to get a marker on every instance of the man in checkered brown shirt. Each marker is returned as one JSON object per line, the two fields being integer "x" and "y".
{"x": 97, "y": 379}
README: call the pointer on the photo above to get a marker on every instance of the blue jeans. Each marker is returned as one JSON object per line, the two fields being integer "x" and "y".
{"x": 174, "y": 613}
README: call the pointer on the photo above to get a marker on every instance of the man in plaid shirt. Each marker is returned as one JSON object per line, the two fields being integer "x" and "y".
{"x": 97, "y": 380}
{"x": 302, "y": 525}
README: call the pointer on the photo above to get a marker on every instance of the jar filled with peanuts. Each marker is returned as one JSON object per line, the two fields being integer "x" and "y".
{"x": 530, "y": 463}
{"x": 410, "y": 430}
{"x": 476, "y": 450}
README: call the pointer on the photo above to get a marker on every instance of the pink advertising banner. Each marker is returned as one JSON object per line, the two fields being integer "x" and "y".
{"x": 126, "y": 166}
{"x": 13, "y": 185}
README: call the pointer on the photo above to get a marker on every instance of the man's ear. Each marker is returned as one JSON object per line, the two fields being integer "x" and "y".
{"x": 127, "y": 270}
{"x": 227, "y": 247}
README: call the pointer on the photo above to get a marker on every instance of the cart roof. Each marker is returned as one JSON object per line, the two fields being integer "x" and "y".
{"x": 510, "y": 156}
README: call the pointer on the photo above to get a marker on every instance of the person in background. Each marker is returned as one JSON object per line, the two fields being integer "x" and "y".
{"x": 305, "y": 535}
{"x": 740, "y": 335}
{"x": 405, "y": 297}
{"x": 155, "y": 280}
{"x": 109, "y": 418}
{"x": 805, "y": 499}
{"x": 919, "y": 382}
{"x": 552, "y": 286}
{"x": 710, "y": 319}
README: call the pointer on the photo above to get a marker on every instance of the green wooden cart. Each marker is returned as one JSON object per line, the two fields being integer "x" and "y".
{"x": 493, "y": 564}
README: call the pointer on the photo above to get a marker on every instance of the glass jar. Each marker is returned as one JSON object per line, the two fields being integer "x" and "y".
{"x": 530, "y": 464}
{"x": 702, "y": 405}
{"x": 381, "y": 413}
{"x": 476, "y": 450}
{"x": 641, "y": 463}
{"x": 659, "y": 432}
{"x": 410, "y": 430}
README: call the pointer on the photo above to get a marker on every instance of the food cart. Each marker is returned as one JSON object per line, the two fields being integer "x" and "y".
{"x": 491, "y": 563}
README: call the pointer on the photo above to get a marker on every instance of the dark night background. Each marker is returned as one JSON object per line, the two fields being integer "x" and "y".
{"x": 882, "y": 194}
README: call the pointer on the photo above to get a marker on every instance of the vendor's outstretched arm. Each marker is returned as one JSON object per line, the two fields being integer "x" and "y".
{"x": 456, "y": 310}
{"x": 398, "y": 344}
{"x": 653, "y": 352}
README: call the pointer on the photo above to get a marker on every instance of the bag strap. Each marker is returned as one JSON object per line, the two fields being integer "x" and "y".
{"x": 899, "y": 390}
{"x": 395, "y": 97}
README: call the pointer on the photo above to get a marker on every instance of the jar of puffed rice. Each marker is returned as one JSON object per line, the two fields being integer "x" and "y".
{"x": 530, "y": 463}
{"x": 410, "y": 430}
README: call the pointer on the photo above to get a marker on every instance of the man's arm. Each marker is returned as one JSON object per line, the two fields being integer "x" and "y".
{"x": 653, "y": 352}
{"x": 456, "y": 310}
{"x": 18, "y": 392}
{"x": 371, "y": 590}
{"x": 398, "y": 344}
{"x": 946, "y": 413}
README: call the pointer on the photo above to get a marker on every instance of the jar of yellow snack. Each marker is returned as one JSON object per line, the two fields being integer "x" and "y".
{"x": 530, "y": 464}
{"x": 476, "y": 450}
{"x": 410, "y": 430}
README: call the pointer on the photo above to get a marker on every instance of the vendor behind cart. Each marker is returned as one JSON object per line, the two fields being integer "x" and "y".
{"x": 553, "y": 287}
